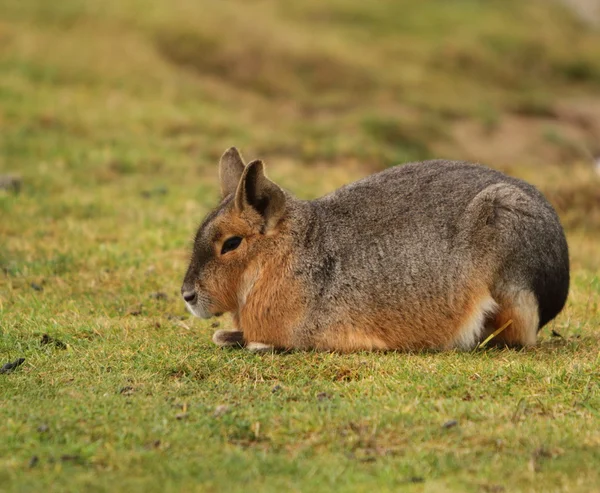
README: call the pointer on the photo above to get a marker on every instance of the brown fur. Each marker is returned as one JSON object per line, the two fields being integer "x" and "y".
{"x": 222, "y": 288}
{"x": 421, "y": 325}
{"x": 433, "y": 255}
{"x": 246, "y": 288}
{"x": 274, "y": 304}
{"x": 522, "y": 309}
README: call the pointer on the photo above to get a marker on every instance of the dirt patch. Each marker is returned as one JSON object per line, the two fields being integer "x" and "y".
{"x": 266, "y": 68}
{"x": 578, "y": 204}
{"x": 570, "y": 132}
{"x": 584, "y": 115}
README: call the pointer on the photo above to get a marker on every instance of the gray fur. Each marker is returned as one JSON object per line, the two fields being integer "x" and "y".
{"x": 416, "y": 235}
{"x": 416, "y": 232}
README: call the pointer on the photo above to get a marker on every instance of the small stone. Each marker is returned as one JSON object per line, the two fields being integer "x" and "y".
{"x": 450, "y": 424}
{"x": 47, "y": 339}
{"x": 492, "y": 488}
{"x": 134, "y": 310}
{"x": 368, "y": 458}
{"x": 159, "y": 295}
{"x": 128, "y": 390}
{"x": 154, "y": 192}
{"x": 43, "y": 428}
{"x": 70, "y": 458}
{"x": 10, "y": 183}
{"x": 11, "y": 366}
{"x": 153, "y": 444}
{"x": 220, "y": 410}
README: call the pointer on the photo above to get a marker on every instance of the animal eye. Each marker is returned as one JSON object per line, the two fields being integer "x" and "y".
{"x": 231, "y": 244}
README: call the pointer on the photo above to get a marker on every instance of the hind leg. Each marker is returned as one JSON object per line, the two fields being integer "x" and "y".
{"x": 521, "y": 307}
{"x": 513, "y": 229}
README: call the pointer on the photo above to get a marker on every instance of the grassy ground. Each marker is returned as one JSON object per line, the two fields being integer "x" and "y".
{"x": 114, "y": 114}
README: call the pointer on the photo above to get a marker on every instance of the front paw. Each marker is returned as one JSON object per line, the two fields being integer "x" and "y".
{"x": 259, "y": 348}
{"x": 228, "y": 338}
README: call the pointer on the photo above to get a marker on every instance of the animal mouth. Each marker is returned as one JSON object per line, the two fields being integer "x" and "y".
{"x": 198, "y": 309}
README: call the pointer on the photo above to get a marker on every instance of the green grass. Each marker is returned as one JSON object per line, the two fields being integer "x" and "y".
{"x": 115, "y": 113}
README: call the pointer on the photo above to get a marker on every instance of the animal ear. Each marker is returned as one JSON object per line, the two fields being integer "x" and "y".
{"x": 255, "y": 190}
{"x": 231, "y": 168}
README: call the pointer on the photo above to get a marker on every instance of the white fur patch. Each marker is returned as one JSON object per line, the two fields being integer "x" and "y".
{"x": 526, "y": 305}
{"x": 246, "y": 287}
{"x": 259, "y": 347}
{"x": 470, "y": 333}
{"x": 198, "y": 310}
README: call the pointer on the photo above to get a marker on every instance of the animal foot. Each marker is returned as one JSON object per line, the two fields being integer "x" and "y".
{"x": 259, "y": 348}
{"x": 229, "y": 338}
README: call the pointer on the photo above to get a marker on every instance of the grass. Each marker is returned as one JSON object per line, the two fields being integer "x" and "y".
{"x": 114, "y": 115}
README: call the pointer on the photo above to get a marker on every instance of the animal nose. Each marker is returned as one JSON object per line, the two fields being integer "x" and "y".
{"x": 189, "y": 296}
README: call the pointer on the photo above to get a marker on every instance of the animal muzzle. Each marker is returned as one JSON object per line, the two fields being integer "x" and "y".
{"x": 196, "y": 303}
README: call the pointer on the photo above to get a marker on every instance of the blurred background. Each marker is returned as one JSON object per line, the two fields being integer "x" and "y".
{"x": 113, "y": 113}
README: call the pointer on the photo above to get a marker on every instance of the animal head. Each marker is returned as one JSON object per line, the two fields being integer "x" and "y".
{"x": 239, "y": 234}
